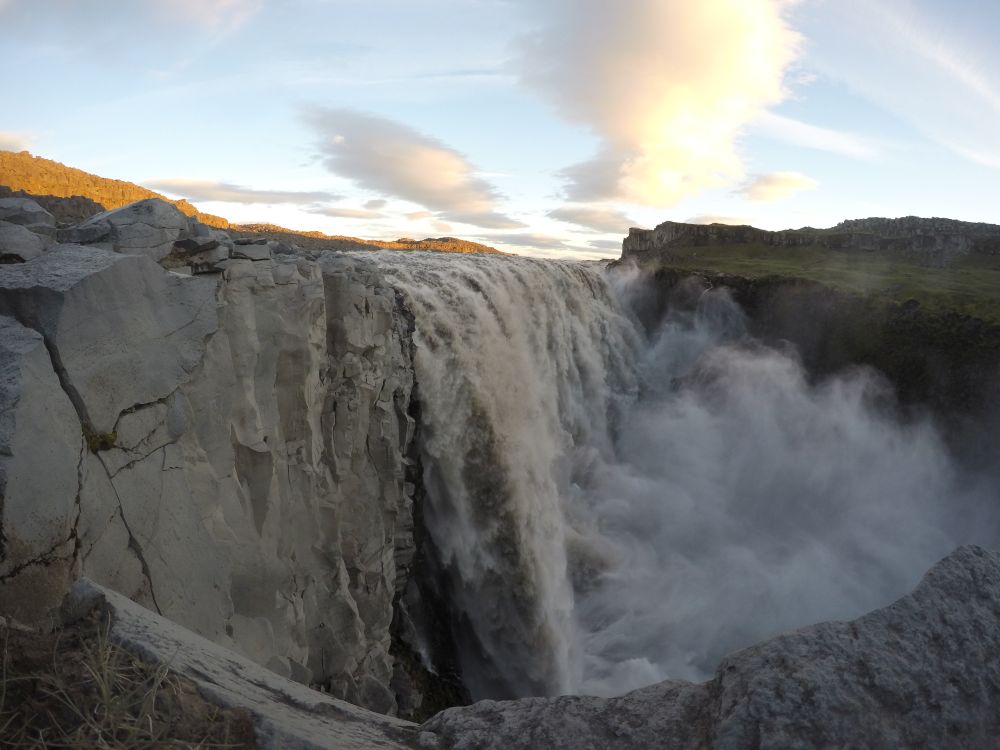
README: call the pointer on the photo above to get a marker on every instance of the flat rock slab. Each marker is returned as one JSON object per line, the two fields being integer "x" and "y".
{"x": 922, "y": 672}
{"x": 286, "y": 715}
{"x": 122, "y": 331}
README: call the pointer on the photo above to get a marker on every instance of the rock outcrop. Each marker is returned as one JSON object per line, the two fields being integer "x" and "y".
{"x": 228, "y": 449}
{"x": 935, "y": 242}
{"x": 285, "y": 714}
{"x": 923, "y": 672}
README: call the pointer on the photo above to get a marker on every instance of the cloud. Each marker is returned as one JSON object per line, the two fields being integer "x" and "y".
{"x": 419, "y": 215}
{"x": 713, "y": 219}
{"x": 930, "y": 67}
{"x": 228, "y": 15}
{"x": 375, "y": 204}
{"x": 776, "y": 186}
{"x": 812, "y": 136}
{"x": 346, "y": 213}
{"x": 667, "y": 86}
{"x": 526, "y": 239}
{"x": 594, "y": 217}
{"x": 391, "y": 158}
{"x": 226, "y": 192}
{"x": 606, "y": 244}
{"x": 13, "y": 141}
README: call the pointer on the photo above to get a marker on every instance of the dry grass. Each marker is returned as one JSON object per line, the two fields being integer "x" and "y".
{"x": 77, "y": 689}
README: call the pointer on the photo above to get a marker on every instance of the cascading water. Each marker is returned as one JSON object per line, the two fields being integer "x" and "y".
{"x": 613, "y": 507}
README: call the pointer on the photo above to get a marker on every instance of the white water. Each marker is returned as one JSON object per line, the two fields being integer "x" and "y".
{"x": 614, "y": 508}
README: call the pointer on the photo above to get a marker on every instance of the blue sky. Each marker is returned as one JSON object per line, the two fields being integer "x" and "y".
{"x": 541, "y": 126}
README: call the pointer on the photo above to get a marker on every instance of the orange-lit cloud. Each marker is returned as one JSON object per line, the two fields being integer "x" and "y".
{"x": 388, "y": 157}
{"x": 777, "y": 186}
{"x": 667, "y": 85}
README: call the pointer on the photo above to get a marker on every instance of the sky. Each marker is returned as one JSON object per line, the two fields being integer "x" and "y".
{"x": 546, "y": 127}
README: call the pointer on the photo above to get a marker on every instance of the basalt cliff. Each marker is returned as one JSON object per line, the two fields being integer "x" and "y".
{"x": 935, "y": 242}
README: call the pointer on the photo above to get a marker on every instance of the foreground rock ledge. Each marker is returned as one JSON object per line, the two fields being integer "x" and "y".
{"x": 286, "y": 715}
{"x": 923, "y": 672}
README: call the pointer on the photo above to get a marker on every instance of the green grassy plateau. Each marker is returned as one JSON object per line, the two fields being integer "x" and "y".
{"x": 971, "y": 286}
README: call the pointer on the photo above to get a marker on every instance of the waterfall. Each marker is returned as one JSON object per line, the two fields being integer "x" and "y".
{"x": 613, "y": 506}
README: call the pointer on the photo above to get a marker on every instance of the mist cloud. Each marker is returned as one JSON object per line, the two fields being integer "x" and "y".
{"x": 667, "y": 85}
{"x": 391, "y": 158}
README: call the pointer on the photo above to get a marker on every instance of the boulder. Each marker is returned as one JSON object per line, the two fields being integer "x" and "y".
{"x": 923, "y": 672}
{"x": 85, "y": 234}
{"x": 149, "y": 227}
{"x": 28, "y": 213}
{"x": 208, "y": 261}
{"x": 285, "y": 714}
{"x": 255, "y": 251}
{"x": 18, "y": 243}
{"x": 197, "y": 244}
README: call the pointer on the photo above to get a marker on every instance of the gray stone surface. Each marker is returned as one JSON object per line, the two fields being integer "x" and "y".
{"x": 18, "y": 243}
{"x": 149, "y": 227}
{"x": 249, "y": 435}
{"x": 922, "y": 672}
{"x": 254, "y": 251}
{"x": 125, "y": 333}
{"x": 41, "y": 447}
{"x": 27, "y": 213}
{"x": 208, "y": 261}
{"x": 286, "y": 715}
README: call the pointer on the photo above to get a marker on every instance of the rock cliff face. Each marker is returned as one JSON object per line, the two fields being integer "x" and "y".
{"x": 227, "y": 448}
{"x": 927, "y": 241}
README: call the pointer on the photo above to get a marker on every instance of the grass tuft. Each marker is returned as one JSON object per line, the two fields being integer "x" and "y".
{"x": 77, "y": 689}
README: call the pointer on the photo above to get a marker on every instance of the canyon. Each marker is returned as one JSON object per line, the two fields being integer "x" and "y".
{"x": 417, "y": 480}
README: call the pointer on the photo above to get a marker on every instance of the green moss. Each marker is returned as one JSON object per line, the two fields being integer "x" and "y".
{"x": 99, "y": 441}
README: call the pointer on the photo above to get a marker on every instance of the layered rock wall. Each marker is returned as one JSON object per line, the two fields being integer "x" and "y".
{"x": 926, "y": 241}
{"x": 227, "y": 448}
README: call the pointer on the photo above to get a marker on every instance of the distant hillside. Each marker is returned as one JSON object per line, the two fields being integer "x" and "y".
{"x": 72, "y": 195}
{"x": 320, "y": 241}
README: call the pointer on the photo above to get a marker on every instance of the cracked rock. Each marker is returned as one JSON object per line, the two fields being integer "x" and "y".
{"x": 122, "y": 330}
{"x": 40, "y": 448}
